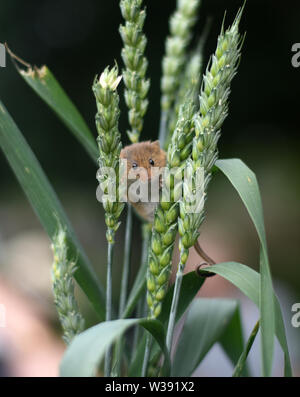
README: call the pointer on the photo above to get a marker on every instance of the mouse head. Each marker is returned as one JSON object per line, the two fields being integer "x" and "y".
{"x": 142, "y": 159}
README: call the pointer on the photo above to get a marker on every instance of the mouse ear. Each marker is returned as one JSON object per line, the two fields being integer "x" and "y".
{"x": 156, "y": 143}
{"x": 123, "y": 153}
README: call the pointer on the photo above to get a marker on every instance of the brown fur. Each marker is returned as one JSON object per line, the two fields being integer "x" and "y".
{"x": 140, "y": 153}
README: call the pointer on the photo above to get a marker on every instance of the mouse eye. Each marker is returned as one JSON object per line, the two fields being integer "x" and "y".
{"x": 151, "y": 162}
{"x": 134, "y": 165}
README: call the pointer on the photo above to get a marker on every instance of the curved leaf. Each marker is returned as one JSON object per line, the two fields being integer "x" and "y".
{"x": 46, "y": 204}
{"x": 248, "y": 281}
{"x": 206, "y": 321}
{"x": 84, "y": 354}
{"x": 43, "y": 82}
{"x": 232, "y": 341}
{"x": 245, "y": 183}
{"x": 191, "y": 284}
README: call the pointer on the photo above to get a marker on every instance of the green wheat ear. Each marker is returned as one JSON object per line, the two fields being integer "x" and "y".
{"x": 208, "y": 121}
{"x": 137, "y": 86}
{"x": 63, "y": 270}
{"x": 190, "y": 81}
{"x": 109, "y": 140}
{"x": 194, "y": 143}
{"x": 188, "y": 89}
{"x": 181, "y": 24}
{"x": 165, "y": 220}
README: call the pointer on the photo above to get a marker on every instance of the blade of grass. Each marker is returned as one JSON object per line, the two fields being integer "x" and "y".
{"x": 90, "y": 345}
{"x": 46, "y": 204}
{"x": 206, "y": 321}
{"x": 43, "y": 82}
{"x": 191, "y": 284}
{"x": 232, "y": 341}
{"x": 248, "y": 281}
{"x": 244, "y": 181}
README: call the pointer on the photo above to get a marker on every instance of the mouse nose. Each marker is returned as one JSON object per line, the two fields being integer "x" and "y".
{"x": 144, "y": 175}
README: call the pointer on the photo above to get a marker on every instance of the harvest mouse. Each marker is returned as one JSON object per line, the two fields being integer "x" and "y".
{"x": 144, "y": 161}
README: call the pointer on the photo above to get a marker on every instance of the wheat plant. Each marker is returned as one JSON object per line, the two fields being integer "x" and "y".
{"x": 194, "y": 106}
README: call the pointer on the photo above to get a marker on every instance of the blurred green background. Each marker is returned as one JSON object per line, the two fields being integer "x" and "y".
{"x": 77, "y": 39}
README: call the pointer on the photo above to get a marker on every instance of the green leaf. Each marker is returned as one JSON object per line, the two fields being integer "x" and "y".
{"x": 248, "y": 281}
{"x": 46, "y": 204}
{"x": 47, "y": 87}
{"x": 84, "y": 355}
{"x": 281, "y": 336}
{"x": 206, "y": 321}
{"x": 232, "y": 340}
{"x": 191, "y": 284}
{"x": 244, "y": 181}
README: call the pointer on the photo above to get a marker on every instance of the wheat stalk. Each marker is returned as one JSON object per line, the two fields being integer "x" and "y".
{"x": 109, "y": 143}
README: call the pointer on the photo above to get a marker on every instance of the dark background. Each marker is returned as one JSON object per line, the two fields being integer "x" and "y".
{"x": 78, "y": 39}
